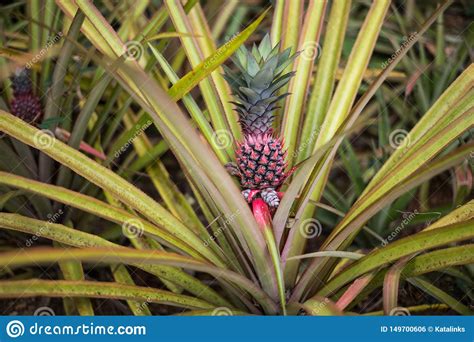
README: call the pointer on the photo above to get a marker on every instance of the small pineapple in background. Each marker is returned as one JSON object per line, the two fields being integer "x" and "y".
{"x": 25, "y": 104}
{"x": 261, "y": 158}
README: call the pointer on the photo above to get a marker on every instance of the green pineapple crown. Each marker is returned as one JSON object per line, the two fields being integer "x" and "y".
{"x": 256, "y": 86}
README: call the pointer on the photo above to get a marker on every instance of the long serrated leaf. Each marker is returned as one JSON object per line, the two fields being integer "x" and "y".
{"x": 94, "y": 206}
{"x": 102, "y": 177}
{"x": 298, "y": 87}
{"x": 403, "y": 247}
{"x": 437, "y": 260}
{"x": 391, "y": 283}
{"x": 77, "y": 238}
{"x": 325, "y": 77}
{"x": 343, "y": 234}
{"x": 72, "y": 270}
{"x": 131, "y": 256}
{"x": 427, "y": 287}
{"x": 94, "y": 289}
{"x": 339, "y": 108}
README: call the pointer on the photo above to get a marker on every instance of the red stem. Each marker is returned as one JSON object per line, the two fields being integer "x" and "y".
{"x": 261, "y": 211}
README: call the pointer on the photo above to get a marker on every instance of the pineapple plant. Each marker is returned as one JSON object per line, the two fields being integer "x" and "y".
{"x": 25, "y": 104}
{"x": 261, "y": 157}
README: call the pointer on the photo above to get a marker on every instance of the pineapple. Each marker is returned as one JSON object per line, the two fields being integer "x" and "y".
{"x": 261, "y": 158}
{"x": 25, "y": 104}
{"x": 21, "y": 82}
{"x": 27, "y": 107}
